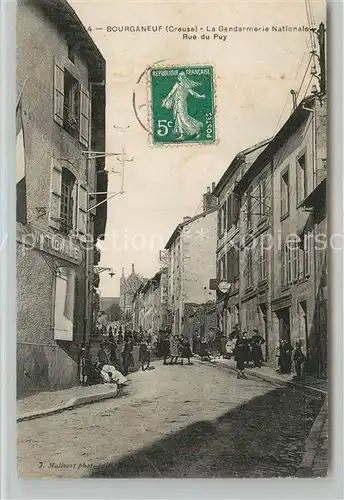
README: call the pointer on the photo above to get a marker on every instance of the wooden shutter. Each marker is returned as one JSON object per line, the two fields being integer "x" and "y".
{"x": 235, "y": 263}
{"x": 219, "y": 222}
{"x": 219, "y": 270}
{"x": 75, "y": 207}
{"x": 84, "y": 115}
{"x": 295, "y": 263}
{"x": 55, "y": 194}
{"x": 236, "y": 209}
{"x": 225, "y": 216}
{"x": 229, "y": 212}
{"x": 58, "y": 92}
{"x": 229, "y": 266}
{"x": 82, "y": 209}
{"x": 307, "y": 267}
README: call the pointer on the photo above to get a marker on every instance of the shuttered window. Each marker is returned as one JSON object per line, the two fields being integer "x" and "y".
{"x": 68, "y": 202}
{"x": 58, "y": 93}
{"x": 229, "y": 211}
{"x": 55, "y": 194}
{"x": 71, "y": 104}
{"x": 219, "y": 222}
{"x": 84, "y": 115}
{"x": 306, "y": 255}
{"x": 263, "y": 258}
{"x": 225, "y": 216}
{"x": 248, "y": 268}
{"x": 82, "y": 210}
{"x": 235, "y": 209}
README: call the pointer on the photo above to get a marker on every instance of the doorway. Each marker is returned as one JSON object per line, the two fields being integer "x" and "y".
{"x": 284, "y": 324}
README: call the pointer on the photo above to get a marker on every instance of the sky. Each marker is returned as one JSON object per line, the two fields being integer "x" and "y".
{"x": 254, "y": 73}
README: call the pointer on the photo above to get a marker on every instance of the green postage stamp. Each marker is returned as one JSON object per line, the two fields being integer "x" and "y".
{"x": 182, "y": 105}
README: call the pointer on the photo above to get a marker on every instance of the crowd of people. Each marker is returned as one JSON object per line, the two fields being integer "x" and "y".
{"x": 115, "y": 356}
{"x": 175, "y": 347}
{"x": 247, "y": 352}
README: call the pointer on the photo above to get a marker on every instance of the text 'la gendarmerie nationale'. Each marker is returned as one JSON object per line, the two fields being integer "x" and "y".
{"x": 210, "y": 29}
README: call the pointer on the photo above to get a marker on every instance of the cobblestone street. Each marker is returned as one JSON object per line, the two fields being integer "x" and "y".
{"x": 174, "y": 421}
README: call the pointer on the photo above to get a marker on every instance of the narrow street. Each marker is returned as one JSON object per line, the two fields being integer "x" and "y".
{"x": 174, "y": 421}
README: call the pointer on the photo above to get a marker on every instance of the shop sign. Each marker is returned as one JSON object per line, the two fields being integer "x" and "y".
{"x": 53, "y": 244}
{"x": 224, "y": 286}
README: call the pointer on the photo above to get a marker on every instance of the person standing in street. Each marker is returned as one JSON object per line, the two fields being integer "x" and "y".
{"x": 103, "y": 355}
{"x": 195, "y": 342}
{"x": 286, "y": 353}
{"x": 230, "y": 345}
{"x": 241, "y": 354}
{"x": 120, "y": 337}
{"x": 174, "y": 349}
{"x": 186, "y": 350}
{"x": 113, "y": 352}
{"x": 246, "y": 348}
{"x": 256, "y": 343}
{"x": 165, "y": 348}
{"x": 85, "y": 366}
{"x": 145, "y": 355}
{"x": 299, "y": 360}
{"x": 127, "y": 355}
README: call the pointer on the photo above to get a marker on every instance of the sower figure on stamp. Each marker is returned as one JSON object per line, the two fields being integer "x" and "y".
{"x": 184, "y": 124}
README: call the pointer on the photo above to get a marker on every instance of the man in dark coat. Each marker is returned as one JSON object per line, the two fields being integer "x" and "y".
{"x": 165, "y": 348}
{"x": 256, "y": 343}
{"x": 127, "y": 357}
{"x": 285, "y": 358}
{"x": 299, "y": 360}
{"x": 242, "y": 354}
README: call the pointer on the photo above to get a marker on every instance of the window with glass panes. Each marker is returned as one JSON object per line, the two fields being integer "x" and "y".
{"x": 66, "y": 211}
{"x": 262, "y": 202}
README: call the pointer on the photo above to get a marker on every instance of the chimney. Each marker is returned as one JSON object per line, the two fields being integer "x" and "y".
{"x": 123, "y": 272}
{"x": 209, "y": 199}
{"x": 212, "y": 187}
{"x": 186, "y": 218}
{"x": 133, "y": 268}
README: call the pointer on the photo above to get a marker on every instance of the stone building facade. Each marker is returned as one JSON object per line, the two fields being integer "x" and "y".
{"x": 154, "y": 316}
{"x": 283, "y": 270}
{"x": 192, "y": 264}
{"x": 61, "y": 105}
{"x": 228, "y": 237}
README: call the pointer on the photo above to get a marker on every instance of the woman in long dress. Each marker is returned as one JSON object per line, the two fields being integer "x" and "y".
{"x": 174, "y": 349}
{"x": 184, "y": 124}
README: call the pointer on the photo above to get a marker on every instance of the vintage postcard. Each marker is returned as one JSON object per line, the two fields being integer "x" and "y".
{"x": 171, "y": 239}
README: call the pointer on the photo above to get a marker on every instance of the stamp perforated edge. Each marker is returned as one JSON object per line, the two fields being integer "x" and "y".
{"x": 151, "y": 143}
